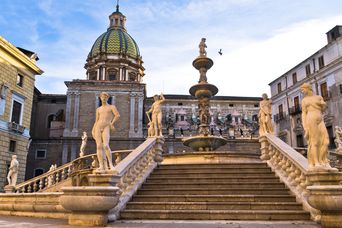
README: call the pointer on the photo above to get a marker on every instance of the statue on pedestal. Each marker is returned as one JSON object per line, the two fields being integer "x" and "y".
{"x": 202, "y": 46}
{"x": 83, "y": 144}
{"x": 106, "y": 116}
{"x": 13, "y": 171}
{"x": 156, "y": 115}
{"x": 338, "y": 141}
{"x": 265, "y": 116}
{"x": 315, "y": 131}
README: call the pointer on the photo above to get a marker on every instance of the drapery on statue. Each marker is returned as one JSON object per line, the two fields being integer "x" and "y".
{"x": 106, "y": 116}
{"x": 202, "y": 46}
{"x": 83, "y": 144}
{"x": 156, "y": 121}
{"x": 13, "y": 171}
{"x": 316, "y": 133}
{"x": 338, "y": 141}
{"x": 265, "y": 116}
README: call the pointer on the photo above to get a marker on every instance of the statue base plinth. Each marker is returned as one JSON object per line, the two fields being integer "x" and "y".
{"x": 9, "y": 189}
{"x": 103, "y": 179}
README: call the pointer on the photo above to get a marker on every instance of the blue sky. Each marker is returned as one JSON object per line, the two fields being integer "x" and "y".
{"x": 260, "y": 39}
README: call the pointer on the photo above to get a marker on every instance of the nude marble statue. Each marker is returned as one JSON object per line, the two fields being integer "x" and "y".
{"x": 265, "y": 116}
{"x": 106, "y": 116}
{"x": 13, "y": 171}
{"x": 157, "y": 114}
{"x": 338, "y": 141}
{"x": 83, "y": 144}
{"x": 315, "y": 131}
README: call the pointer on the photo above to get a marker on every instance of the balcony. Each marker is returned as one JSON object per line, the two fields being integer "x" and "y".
{"x": 295, "y": 110}
{"x": 279, "y": 117}
{"x": 16, "y": 128}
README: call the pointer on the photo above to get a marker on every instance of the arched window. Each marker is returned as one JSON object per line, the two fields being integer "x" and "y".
{"x": 112, "y": 75}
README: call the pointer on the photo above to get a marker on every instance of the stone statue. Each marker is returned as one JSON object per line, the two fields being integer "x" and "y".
{"x": 265, "y": 116}
{"x": 50, "y": 177}
{"x": 315, "y": 132}
{"x": 106, "y": 116}
{"x": 13, "y": 171}
{"x": 338, "y": 141}
{"x": 157, "y": 114}
{"x": 202, "y": 46}
{"x": 83, "y": 144}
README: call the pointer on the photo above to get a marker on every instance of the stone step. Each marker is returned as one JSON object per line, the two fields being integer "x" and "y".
{"x": 209, "y": 166}
{"x": 214, "y": 198}
{"x": 208, "y": 185}
{"x": 213, "y": 170}
{"x": 216, "y": 174}
{"x": 216, "y": 214}
{"x": 217, "y": 179}
{"x": 214, "y": 205}
{"x": 223, "y": 191}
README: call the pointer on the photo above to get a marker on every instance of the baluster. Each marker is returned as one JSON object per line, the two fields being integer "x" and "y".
{"x": 22, "y": 189}
{"x": 34, "y": 186}
{"x": 29, "y": 188}
{"x": 63, "y": 175}
{"x": 41, "y": 183}
{"x": 57, "y": 177}
{"x": 46, "y": 181}
{"x": 69, "y": 171}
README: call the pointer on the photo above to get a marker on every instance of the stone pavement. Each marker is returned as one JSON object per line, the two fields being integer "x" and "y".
{"x": 25, "y": 222}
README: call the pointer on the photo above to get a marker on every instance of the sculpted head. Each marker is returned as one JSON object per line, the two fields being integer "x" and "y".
{"x": 156, "y": 97}
{"x": 104, "y": 97}
{"x": 14, "y": 157}
{"x": 306, "y": 88}
{"x": 264, "y": 96}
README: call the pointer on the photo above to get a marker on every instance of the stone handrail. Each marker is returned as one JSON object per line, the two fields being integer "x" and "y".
{"x": 290, "y": 166}
{"x": 133, "y": 170}
{"x": 62, "y": 173}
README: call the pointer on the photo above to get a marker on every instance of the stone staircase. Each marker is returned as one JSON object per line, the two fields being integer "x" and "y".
{"x": 231, "y": 191}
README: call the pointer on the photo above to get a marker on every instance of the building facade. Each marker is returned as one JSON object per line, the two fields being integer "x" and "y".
{"x": 323, "y": 70}
{"x": 17, "y": 75}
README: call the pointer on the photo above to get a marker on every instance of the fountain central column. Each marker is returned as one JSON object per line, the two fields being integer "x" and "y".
{"x": 203, "y": 91}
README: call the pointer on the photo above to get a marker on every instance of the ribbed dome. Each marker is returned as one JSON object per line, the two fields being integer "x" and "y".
{"x": 115, "y": 41}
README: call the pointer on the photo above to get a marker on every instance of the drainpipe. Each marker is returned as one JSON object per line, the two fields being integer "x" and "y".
{"x": 288, "y": 110}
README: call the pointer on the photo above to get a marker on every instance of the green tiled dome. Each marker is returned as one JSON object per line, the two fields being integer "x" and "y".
{"x": 115, "y": 41}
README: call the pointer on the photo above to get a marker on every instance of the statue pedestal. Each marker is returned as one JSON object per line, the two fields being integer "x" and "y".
{"x": 103, "y": 179}
{"x": 89, "y": 206}
{"x": 9, "y": 189}
{"x": 326, "y": 195}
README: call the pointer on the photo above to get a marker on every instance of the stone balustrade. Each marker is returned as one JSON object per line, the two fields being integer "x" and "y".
{"x": 320, "y": 191}
{"x": 290, "y": 166}
{"x": 48, "y": 180}
{"x": 133, "y": 170}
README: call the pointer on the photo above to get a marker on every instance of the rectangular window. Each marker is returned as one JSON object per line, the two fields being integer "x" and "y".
{"x": 324, "y": 91}
{"x": 294, "y": 78}
{"x": 280, "y": 109}
{"x": 182, "y": 118}
{"x": 231, "y": 105}
{"x": 279, "y": 87}
{"x": 16, "y": 112}
{"x": 341, "y": 88}
{"x": 296, "y": 103}
{"x": 20, "y": 80}
{"x": 308, "y": 70}
{"x": 321, "y": 62}
{"x": 40, "y": 154}
{"x": 12, "y": 146}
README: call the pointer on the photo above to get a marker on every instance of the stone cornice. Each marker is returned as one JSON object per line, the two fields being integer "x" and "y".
{"x": 16, "y": 53}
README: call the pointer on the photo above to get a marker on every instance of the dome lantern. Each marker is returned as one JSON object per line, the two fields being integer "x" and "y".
{"x": 117, "y": 20}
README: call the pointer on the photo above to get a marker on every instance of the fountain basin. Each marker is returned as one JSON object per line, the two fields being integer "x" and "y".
{"x": 203, "y": 62}
{"x": 204, "y": 143}
{"x": 203, "y": 90}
